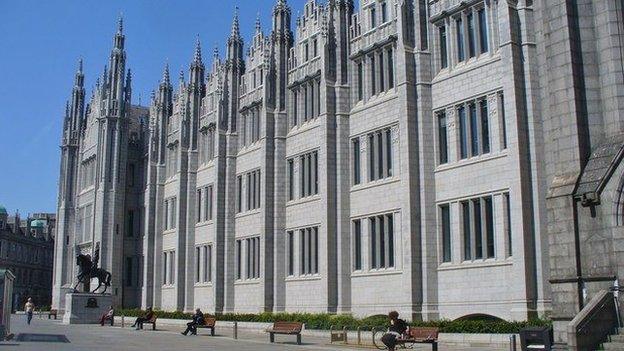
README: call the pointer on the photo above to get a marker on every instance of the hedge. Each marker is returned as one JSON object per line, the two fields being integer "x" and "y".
{"x": 323, "y": 321}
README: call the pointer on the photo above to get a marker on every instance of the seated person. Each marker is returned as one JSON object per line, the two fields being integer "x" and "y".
{"x": 397, "y": 328}
{"x": 108, "y": 316}
{"x": 138, "y": 324}
{"x": 198, "y": 319}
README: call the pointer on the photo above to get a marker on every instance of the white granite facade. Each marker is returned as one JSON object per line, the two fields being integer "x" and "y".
{"x": 368, "y": 161}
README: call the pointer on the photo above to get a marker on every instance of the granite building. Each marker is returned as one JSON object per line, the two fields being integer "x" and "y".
{"x": 27, "y": 250}
{"x": 391, "y": 155}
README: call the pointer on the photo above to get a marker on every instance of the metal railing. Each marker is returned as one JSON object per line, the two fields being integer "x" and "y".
{"x": 596, "y": 321}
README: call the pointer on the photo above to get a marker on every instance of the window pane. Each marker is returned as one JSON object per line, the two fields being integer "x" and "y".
{"x": 466, "y": 230}
{"x": 445, "y": 215}
{"x": 474, "y": 130}
{"x": 485, "y": 126}
{"x": 443, "y": 53}
{"x": 489, "y": 226}
{"x": 373, "y": 247}
{"x": 508, "y": 224}
{"x": 357, "y": 243}
{"x": 483, "y": 31}
{"x": 389, "y": 152}
{"x": 442, "y": 138}
{"x": 471, "y": 35}
{"x": 463, "y": 132}
{"x": 478, "y": 230}
{"x": 459, "y": 25}
{"x": 290, "y": 253}
{"x": 390, "y": 220}
{"x": 356, "y": 161}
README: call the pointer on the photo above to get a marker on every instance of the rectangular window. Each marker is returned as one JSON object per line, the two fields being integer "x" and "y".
{"x": 474, "y": 130}
{"x": 381, "y": 72}
{"x": 197, "y": 264}
{"x": 483, "y": 31}
{"x": 459, "y": 26}
{"x": 172, "y": 265}
{"x": 165, "y": 281}
{"x": 291, "y": 254}
{"x": 390, "y": 69}
{"x": 445, "y": 221}
{"x": 199, "y": 205}
{"x": 315, "y": 47}
{"x": 508, "y": 231}
{"x": 463, "y": 132}
{"x": 373, "y": 75}
{"x": 360, "y": 79}
{"x": 209, "y": 202}
{"x": 503, "y": 122}
{"x": 478, "y": 228}
{"x": 382, "y": 241}
{"x": 489, "y": 227}
{"x": 239, "y": 251}
{"x": 380, "y": 154}
{"x": 295, "y": 107}
{"x": 239, "y": 201}
{"x": 443, "y": 50}
{"x": 471, "y": 35}
{"x": 308, "y": 250}
{"x": 373, "y": 17}
{"x": 485, "y": 126}
{"x": 466, "y": 230}
{"x": 291, "y": 179}
{"x": 356, "y": 160}
{"x": 307, "y": 51}
{"x": 207, "y": 263}
{"x": 384, "y": 12}
{"x": 442, "y": 138}
{"x": 357, "y": 245}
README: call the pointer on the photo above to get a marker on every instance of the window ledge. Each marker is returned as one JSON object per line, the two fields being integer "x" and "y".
{"x": 377, "y": 99}
{"x": 248, "y": 213}
{"x": 303, "y": 126}
{"x": 466, "y": 66}
{"x": 250, "y": 281}
{"x": 203, "y": 285}
{"x": 168, "y": 287}
{"x": 204, "y": 223}
{"x": 246, "y": 149}
{"x": 303, "y": 278}
{"x": 487, "y": 263}
{"x": 169, "y": 231}
{"x": 303, "y": 200}
{"x": 372, "y": 273}
{"x": 375, "y": 183}
{"x": 207, "y": 165}
{"x": 471, "y": 161}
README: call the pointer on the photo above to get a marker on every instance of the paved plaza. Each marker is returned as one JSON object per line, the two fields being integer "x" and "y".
{"x": 95, "y": 338}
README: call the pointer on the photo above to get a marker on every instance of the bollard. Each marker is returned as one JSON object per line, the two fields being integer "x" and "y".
{"x": 235, "y": 331}
{"x": 122, "y": 320}
{"x": 344, "y": 331}
{"x": 359, "y": 336}
{"x": 512, "y": 342}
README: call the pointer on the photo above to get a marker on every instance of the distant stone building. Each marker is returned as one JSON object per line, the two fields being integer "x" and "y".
{"x": 27, "y": 249}
{"x": 423, "y": 156}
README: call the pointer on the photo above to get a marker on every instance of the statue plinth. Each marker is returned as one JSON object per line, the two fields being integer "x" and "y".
{"x": 86, "y": 308}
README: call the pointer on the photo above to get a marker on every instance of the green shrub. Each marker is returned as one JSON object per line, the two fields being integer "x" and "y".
{"x": 323, "y": 321}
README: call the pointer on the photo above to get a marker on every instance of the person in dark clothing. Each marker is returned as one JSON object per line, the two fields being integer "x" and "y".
{"x": 198, "y": 319}
{"x": 138, "y": 324}
{"x": 397, "y": 328}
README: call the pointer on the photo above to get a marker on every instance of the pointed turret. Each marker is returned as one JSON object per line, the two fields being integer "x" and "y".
{"x": 115, "y": 82}
{"x": 197, "y": 58}
{"x": 235, "y": 66}
{"x": 196, "y": 78}
{"x": 282, "y": 42}
{"x": 76, "y": 109}
{"x": 235, "y": 33}
{"x": 128, "y": 87}
{"x": 166, "y": 80}
{"x": 258, "y": 25}
{"x": 119, "y": 36}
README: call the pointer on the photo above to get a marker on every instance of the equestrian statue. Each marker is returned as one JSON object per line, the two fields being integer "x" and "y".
{"x": 89, "y": 270}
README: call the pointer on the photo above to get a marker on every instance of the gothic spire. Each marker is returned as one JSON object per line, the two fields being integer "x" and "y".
{"x": 235, "y": 34}
{"x": 258, "y": 25}
{"x": 79, "y": 77}
{"x": 166, "y": 80}
{"x": 120, "y": 25}
{"x": 198, "y": 57}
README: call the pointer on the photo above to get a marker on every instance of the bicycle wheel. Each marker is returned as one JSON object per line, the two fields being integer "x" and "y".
{"x": 377, "y": 334}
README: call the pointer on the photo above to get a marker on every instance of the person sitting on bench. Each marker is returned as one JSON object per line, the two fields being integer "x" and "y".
{"x": 198, "y": 319}
{"x": 108, "y": 316}
{"x": 397, "y": 329}
{"x": 138, "y": 324}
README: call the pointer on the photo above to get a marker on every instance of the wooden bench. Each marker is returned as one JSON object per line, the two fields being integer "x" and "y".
{"x": 52, "y": 313}
{"x": 421, "y": 335}
{"x": 285, "y": 328}
{"x": 151, "y": 321}
{"x": 210, "y": 324}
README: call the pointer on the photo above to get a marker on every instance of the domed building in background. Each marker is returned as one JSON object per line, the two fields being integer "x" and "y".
{"x": 27, "y": 250}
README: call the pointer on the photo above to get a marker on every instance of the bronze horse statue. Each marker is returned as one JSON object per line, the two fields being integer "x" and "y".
{"x": 89, "y": 270}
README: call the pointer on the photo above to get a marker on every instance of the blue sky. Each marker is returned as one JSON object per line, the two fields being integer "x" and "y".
{"x": 41, "y": 42}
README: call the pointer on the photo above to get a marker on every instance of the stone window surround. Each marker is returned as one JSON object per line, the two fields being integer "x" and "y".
{"x": 296, "y": 253}
{"x": 498, "y": 135}
{"x": 305, "y": 97}
{"x": 366, "y": 264}
{"x": 503, "y": 234}
{"x": 203, "y": 277}
{"x": 248, "y": 261}
{"x": 386, "y": 50}
{"x": 364, "y": 159}
{"x": 447, "y": 18}
{"x": 296, "y": 176}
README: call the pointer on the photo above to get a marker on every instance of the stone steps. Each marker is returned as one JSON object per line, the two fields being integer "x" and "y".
{"x": 617, "y": 338}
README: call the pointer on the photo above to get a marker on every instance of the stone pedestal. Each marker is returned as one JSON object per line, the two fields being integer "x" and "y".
{"x": 85, "y": 308}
